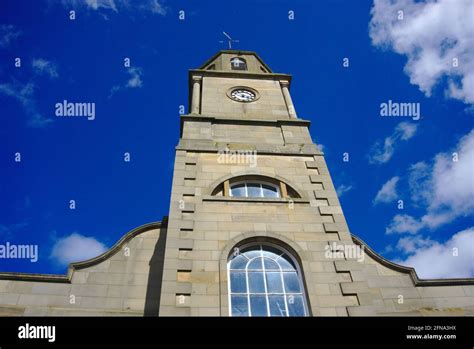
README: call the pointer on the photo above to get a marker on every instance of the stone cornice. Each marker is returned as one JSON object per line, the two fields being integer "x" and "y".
{"x": 209, "y": 146}
{"x": 240, "y": 121}
{"x": 409, "y": 270}
{"x": 84, "y": 264}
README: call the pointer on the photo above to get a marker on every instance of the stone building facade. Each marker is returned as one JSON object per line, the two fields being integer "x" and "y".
{"x": 255, "y": 226}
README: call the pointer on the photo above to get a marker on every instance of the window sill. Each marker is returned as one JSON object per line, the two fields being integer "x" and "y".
{"x": 255, "y": 200}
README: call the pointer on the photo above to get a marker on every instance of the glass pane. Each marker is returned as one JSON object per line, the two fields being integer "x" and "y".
{"x": 238, "y": 190}
{"x": 255, "y": 264}
{"x": 256, "y": 284}
{"x": 277, "y": 305}
{"x": 295, "y": 305}
{"x": 238, "y": 284}
{"x": 270, "y": 264}
{"x": 269, "y": 191}
{"x": 239, "y": 306}
{"x": 258, "y": 305}
{"x": 238, "y": 262}
{"x": 253, "y": 190}
{"x": 271, "y": 252}
{"x": 274, "y": 283}
{"x": 252, "y": 252}
{"x": 292, "y": 282}
{"x": 285, "y": 264}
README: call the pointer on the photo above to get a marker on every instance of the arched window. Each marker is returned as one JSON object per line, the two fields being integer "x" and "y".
{"x": 264, "y": 280}
{"x": 253, "y": 189}
{"x": 238, "y": 63}
{"x": 255, "y": 186}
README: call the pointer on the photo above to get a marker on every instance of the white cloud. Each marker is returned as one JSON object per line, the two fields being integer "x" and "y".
{"x": 134, "y": 80}
{"x": 431, "y": 34}
{"x": 342, "y": 189}
{"x": 8, "y": 33}
{"x": 135, "y": 77}
{"x": 452, "y": 259}
{"x": 388, "y": 192}
{"x": 76, "y": 248}
{"x": 444, "y": 187}
{"x": 410, "y": 244}
{"x": 150, "y": 6}
{"x": 403, "y": 223}
{"x": 418, "y": 182}
{"x": 106, "y": 4}
{"x": 43, "y": 67}
{"x": 155, "y": 7}
{"x": 24, "y": 93}
{"x": 382, "y": 153}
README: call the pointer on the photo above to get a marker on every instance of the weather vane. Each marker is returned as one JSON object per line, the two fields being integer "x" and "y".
{"x": 229, "y": 39}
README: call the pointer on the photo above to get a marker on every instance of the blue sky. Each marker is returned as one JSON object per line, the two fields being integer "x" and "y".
{"x": 391, "y": 158}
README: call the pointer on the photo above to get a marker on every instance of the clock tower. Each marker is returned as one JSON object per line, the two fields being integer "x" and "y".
{"x": 282, "y": 202}
{"x": 255, "y": 227}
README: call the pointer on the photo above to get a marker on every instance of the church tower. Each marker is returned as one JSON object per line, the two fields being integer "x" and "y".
{"x": 255, "y": 227}
{"x": 253, "y": 208}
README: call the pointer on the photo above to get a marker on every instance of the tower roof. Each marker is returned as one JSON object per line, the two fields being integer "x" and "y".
{"x": 221, "y": 61}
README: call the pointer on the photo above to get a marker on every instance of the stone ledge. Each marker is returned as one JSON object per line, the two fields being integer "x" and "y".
{"x": 255, "y": 200}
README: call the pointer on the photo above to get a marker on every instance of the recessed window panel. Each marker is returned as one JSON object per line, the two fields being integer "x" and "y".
{"x": 258, "y": 305}
{"x": 285, "y": 264}
{"x": 239, "y": 306}
{"x": 269, "y": 191}
{"x": 277, "y": 305}
{"x": 238, "y": 282}
{"x": 274, "y": 282}
{"x": 239, "y": 262}
{"x": 295, "y": 305}
{"x": 238, "y": 63}
{"x": 292, "y": 282}
{"x": 256, "y": 282}
{"x": 238, "y": 190}
{"x": 254, "y": 190}
{"x": 255, "y": 264}
{"x": 270, "y": 264}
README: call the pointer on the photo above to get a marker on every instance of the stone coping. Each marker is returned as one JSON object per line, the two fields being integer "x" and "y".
{"x": 409, "y": 270}
{"x": 66, "y": 278}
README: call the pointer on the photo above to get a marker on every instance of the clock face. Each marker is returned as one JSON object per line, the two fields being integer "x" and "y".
{"x": 243, "y": 95}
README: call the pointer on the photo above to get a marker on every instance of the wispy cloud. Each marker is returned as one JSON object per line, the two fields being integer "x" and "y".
{"x": 343, "y": 189}
{"x": 76, "y": 248}
{"x": 149, "y": 6}
{"x": 433, "y": 35}
{"x": 42, "y": 66}
{"x": 24, "y": 94}
{"x": 156, "y": 7}
{"x": 382, "y": 152}
{"x": 388, "y": 192}
{"x": 402, "y": 224}
{"x": 135, "y": 75}
{"x": 431, "y": 259}
{"x": 8, "y": 33}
